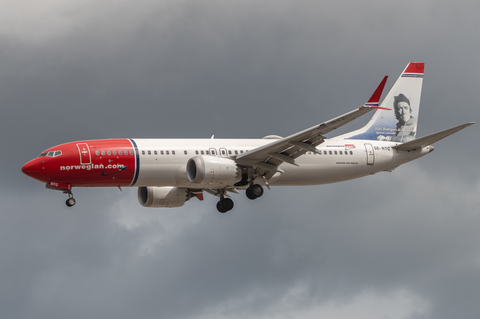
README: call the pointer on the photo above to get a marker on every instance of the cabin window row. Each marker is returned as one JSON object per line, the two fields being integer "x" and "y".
{"x": 159, "y": 152}
{"x": 197, "y": 152}
{"x": 222, "y": 152}
{"x": 332, "y": 153}
{"x": 113, "y": 152}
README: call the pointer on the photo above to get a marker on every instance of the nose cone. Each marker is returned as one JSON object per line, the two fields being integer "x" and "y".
{"x": 28, "y": 167}
{"x": 34, "y": 169}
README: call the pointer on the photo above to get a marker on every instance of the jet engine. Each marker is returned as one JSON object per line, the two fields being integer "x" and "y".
{"x": 212, "y": 170}
{"x": 163, "y": 196}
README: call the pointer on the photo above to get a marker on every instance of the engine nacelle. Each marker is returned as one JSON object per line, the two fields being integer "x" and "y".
{"x": 212, "y": 170}
{"x": 162, "y": 196}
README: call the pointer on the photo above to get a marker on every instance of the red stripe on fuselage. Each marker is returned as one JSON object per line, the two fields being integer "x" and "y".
{"x": 87, "y": 163}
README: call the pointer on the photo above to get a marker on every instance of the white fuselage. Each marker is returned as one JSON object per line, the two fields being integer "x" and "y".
{"x": 162, "y": 162}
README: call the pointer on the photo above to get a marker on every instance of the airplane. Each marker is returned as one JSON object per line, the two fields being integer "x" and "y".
{"x": 169, "y": 172}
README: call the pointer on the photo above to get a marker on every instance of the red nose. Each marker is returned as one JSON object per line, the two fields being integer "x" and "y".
{"x": 34, "y": 169}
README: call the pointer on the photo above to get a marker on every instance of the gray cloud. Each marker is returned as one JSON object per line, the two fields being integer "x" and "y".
{"x": 404, "y": 240}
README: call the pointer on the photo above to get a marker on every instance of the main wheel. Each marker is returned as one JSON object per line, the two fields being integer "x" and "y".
{"x": 227, "y": 204}
{"x": 70, "y": 202}
{"x": 257, "y": 190}
{"x": 250, "y": 194}
{"x": 221, "y": 207}
{"x": 224, "y": 205}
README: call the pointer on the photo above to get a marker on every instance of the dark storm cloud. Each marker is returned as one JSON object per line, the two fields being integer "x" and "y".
{"x": 237, "y": 69}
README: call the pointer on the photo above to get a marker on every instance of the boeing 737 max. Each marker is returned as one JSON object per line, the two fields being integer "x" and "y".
{"x": 169, "y": 172}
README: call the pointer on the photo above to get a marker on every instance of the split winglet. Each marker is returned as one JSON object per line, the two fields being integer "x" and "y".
{"x": 375, "y": 98}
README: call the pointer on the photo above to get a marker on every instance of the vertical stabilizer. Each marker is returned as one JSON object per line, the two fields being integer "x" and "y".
{"x": 396, "y": 119}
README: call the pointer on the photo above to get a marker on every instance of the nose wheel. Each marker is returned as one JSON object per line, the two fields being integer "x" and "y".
{"x": 70, "y": 201}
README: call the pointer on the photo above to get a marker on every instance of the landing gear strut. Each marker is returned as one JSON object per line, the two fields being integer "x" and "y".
{"x": 254, "y": 191}
{"x": 70, "y": 201}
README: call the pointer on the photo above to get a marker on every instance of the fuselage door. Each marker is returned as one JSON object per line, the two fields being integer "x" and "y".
{"x": 84, "y": 150}
{"x": 370, "y": 154}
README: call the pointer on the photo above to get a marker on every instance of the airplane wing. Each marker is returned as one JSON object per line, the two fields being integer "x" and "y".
{"x": 430, "y": 139}
{"x": 267, "y": 158}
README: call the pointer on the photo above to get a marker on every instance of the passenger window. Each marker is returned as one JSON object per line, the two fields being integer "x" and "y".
{"x": 201, "y": 152}
{"x": 131, "y": 152}
{"x": 341, "y": 153}
{"x": 103, "y": 152}
{"x": 143, "y": 152}
{"x": 335, "y": 152}
{"x": 223, "y": 152}
{"x": 120, "y": 152}
{"x": 114, "y": 152}
{"x": 324, "y": 152}
{"x": 173, "y": 152}
{"x": 196, "y": 152}
{"x": 351, "y": 153}
{"x": 207, "y": 152}
{"x": 229, "y": 152}
{"x": 161, "y": 152}
{"x": 155, "y": 152}
{"x": 109, "y": 153}
{"x": 97, "y": 153}
{"x": 236, "y": 152}
{"x": 166, "y": 152}
{"x": 330, "y": 152}
{"x": 185, "y": 152}
{"x": 241, "y": 151}
{"x": 149, "y": 153}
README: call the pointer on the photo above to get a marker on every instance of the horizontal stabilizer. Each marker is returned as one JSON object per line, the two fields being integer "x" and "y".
{"x": 430, "y": 139}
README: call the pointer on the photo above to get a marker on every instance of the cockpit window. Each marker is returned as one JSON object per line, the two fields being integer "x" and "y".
{"x": 51, "y": 154}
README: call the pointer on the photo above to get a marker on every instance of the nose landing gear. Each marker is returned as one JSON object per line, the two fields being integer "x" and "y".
{"x": 70, "y": 201}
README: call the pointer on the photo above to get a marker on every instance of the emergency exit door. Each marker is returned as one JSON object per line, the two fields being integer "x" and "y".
{"x": 370, "y": 154}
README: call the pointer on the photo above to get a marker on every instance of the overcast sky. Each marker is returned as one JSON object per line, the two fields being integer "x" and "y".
{"x": 395, "y": 245}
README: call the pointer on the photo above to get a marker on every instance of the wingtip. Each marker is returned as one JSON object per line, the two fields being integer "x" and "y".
{"x": 375, "y": 98}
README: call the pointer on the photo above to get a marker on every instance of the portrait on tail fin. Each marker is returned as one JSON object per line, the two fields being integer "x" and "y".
{"x": 406, "y": 127}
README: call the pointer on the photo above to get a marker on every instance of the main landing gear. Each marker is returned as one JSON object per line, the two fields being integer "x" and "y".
{"x": 255, "y": 191}
{"x": 224, "y": 205}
